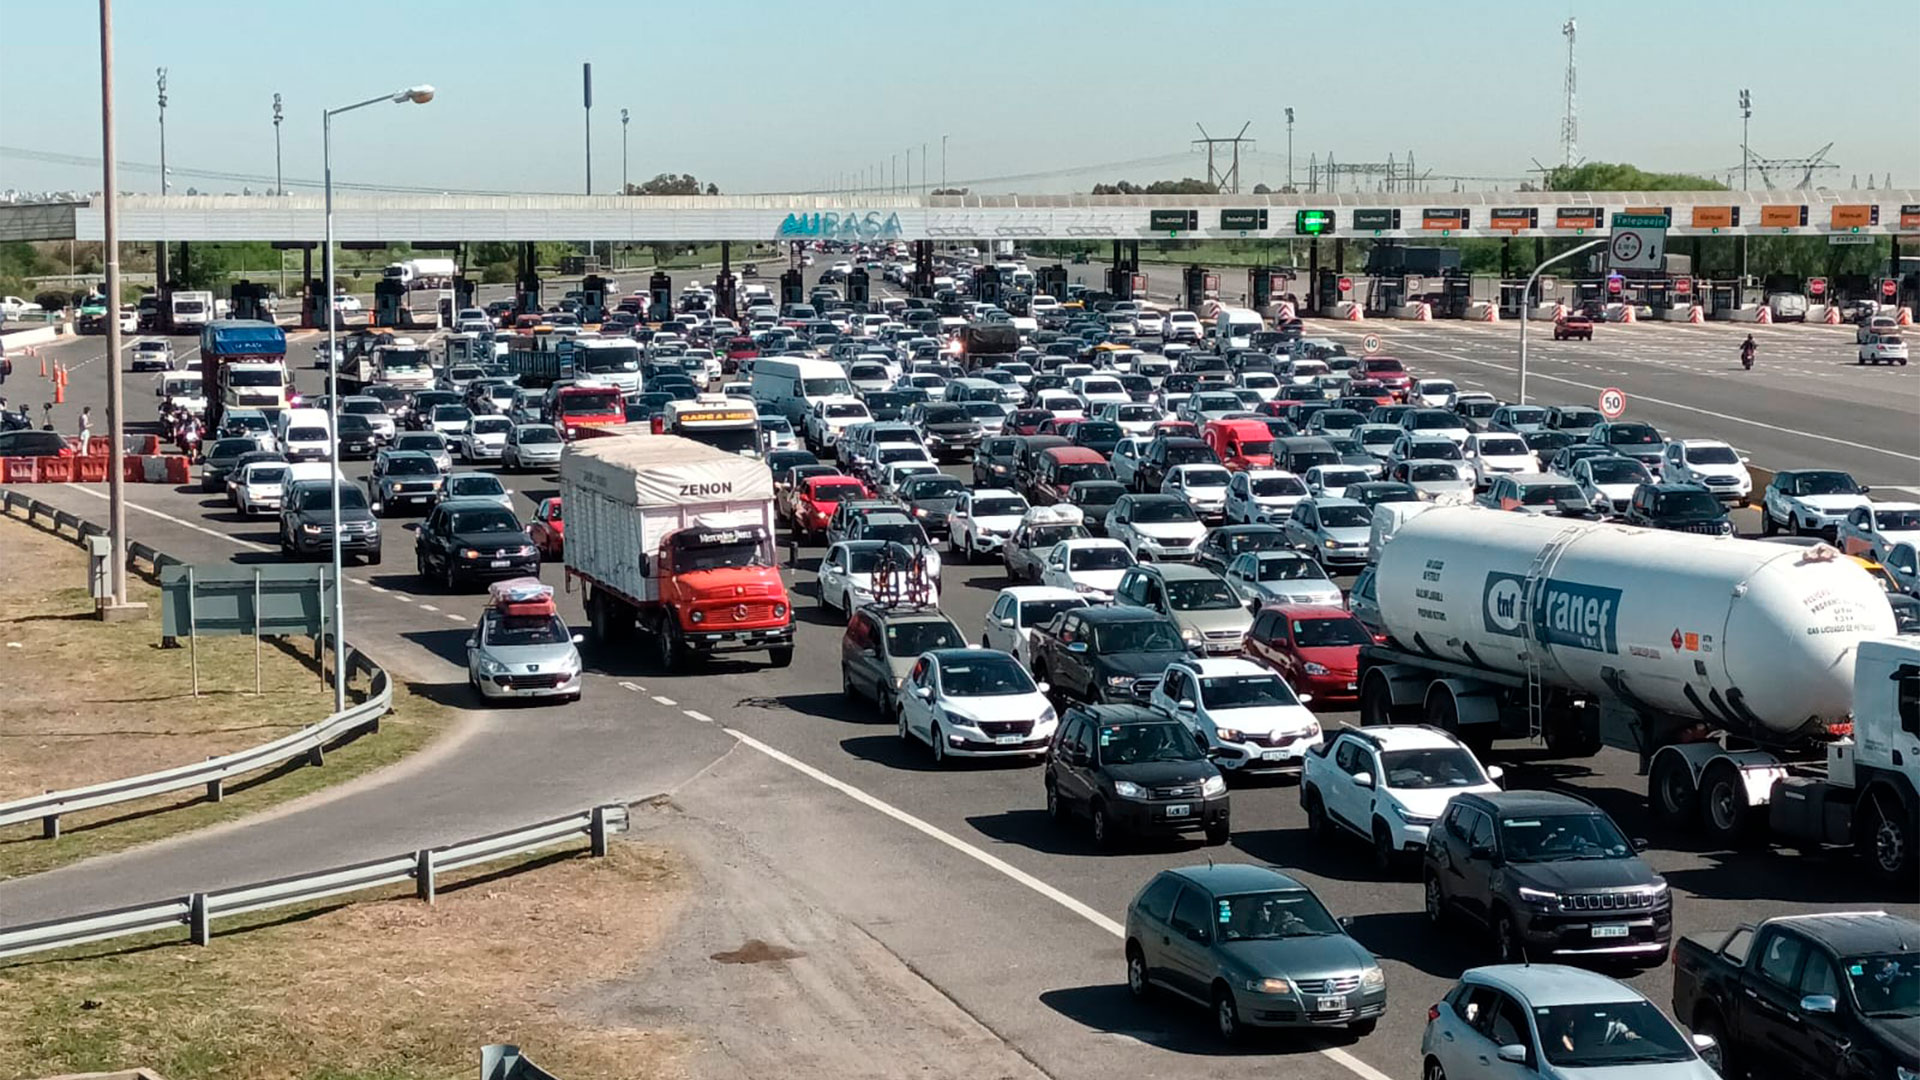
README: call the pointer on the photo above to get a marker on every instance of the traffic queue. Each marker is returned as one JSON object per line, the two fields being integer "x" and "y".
{"x": 1212, "y": 536}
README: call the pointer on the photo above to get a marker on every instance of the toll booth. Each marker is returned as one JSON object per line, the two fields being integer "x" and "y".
{"x": 593, "y": 306}
{"x": 1051, "y": 281}
{"x": 526, "y": 296}
{"x": 463, "y": 292}
{"x": 1329, "y": 288}
{"x": 858, "y": 287}
{"x": 1119, "y": 283}
{"x": 793, "y": 289}
{"x": 660, "y": 296}
{"x": 1513, "y": 299}
{"x": 389, "y": 302}
{"x": 986, "y": 284}
{"x": 313, "y": 304}
{"x": 1719, "y": 297}
{"x": 1259, "y": 287}
{"x": 1384, "y": 293}
{"x": 1455, "y": 296}
{"x": 1193, "y": 287}
{"x": 248, "y": 301}
{"x": 923, "y": 269}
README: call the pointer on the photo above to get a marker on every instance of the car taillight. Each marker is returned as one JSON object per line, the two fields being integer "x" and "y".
{"x": 1433, "y": 1013}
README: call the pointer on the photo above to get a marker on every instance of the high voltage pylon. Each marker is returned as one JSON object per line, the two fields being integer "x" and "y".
{"x": 1570, "y": 119}
{"x": 1228, "y": 181}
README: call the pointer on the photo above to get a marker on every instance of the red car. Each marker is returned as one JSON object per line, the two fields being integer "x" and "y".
{"x": 817, "y": 497}
{"x": 1371, "y": 388}
{"x": 1389, "y": 373}
{"x": 738, "y": 349}
{"x": 1316, "y": 649}
{"x": 548, "y": 529}
{"x": 1573, "y": 326}
{"x": 1024, "y": 421}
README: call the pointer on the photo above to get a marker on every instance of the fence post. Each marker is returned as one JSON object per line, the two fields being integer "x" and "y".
{"x": 423, "y": 874}
{"x": 199, "y": 922}
{"x": 50, "y": 825}
{"x": 597, "y": 830}
{"x": 216, "y": 787}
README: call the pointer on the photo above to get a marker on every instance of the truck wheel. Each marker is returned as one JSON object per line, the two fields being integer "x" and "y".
{"x": 1671, "y": 791}
{"x": 1886, "y": 838}
{"x": 1376, "y": 704}
{"x": 1723, "y": 804}
{"x": 666, "y": 648}
{"x": 781, "y": 655}
{"x": 1568, "y": 735}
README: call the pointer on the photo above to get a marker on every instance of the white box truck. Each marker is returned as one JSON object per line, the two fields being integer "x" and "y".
{"x": 676, "y": 539}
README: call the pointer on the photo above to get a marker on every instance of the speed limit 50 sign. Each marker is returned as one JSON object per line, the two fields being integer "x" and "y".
{"x": 1613, "y": 403}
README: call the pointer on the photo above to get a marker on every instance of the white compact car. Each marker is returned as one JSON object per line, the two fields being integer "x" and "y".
{"x": 1263, "y": 496}
{"x": 965, "y": 703}
{"x": 982, "y": 520}
{"x": 1710, "y": 463}
{"x": 1017, "y": 610}
{"x": 1089, "y": 567}
{"x": 1410, "y": 772}
{"x": 1491, "y": 453}
{"x": 1203, "y": 486}
{"x": 1248, "y": 717}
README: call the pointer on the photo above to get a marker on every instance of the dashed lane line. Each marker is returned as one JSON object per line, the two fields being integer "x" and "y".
{"x": 700, "y": 716}
{"x": 665, "y": 700}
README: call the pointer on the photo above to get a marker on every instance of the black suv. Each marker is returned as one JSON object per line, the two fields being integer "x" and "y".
{"x": 465, "y": 540}
{"x": 1133, "y": 772}
{"x": 306, "y": 513}
{"x": 1678, "y": 508}
{"x": 1163, "y": 453}
{"x": 993, "y": 462}
{"x": 1221, "y": 546}
{"x": 1105, "y": 654}
{"x": 1547, "y": 875}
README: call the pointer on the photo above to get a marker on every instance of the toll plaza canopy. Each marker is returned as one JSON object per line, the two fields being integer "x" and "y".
{"x": 763, "y": 218}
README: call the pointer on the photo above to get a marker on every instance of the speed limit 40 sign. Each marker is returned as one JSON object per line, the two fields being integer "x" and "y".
{"x": 1370, "y": 344}
{"x": 1613, "y": 403}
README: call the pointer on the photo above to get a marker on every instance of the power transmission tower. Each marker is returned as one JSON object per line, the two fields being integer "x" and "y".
{"x": 1228, "y": 181}
{"x": 1808, "y": 165}
{"x": 1570, "y": 120}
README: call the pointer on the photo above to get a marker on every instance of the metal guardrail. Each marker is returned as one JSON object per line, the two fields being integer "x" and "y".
{"x": 504, "y": 1061}
{"x": 197, "y": 911}
{"x": 213, "y": 773}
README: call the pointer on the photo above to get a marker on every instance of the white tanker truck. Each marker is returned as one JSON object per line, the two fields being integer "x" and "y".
{"x": 1759, "y": 684}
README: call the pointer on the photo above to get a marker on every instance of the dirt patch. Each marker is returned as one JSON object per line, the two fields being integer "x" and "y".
{"x": 394, "y": 989}
{"x": 756, "y": 951}
{"x": 87, "y": 701}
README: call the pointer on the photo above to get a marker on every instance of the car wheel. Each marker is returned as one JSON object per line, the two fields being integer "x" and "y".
{"x": 1432, "y": 1071}
{"x": 1316, "y": 815}
{"x": 1103, "y": 830}
{"x": 448, "y": 579}
{"x": 1363, "y": 1028}
{"x": 1218, "y": 835}
{"x": 1226, "y": 1015}
{"x": 1138, "y": 984}
{"x": 937, "y": 743}
{"x": 1768, "y": 526}
{"x": 1507, "y": 946}
{"x": 1385, "y": 858}
{"x": 1436, "y": 901}
{"x": 900, "y": 720}
{"x": 1056, "y": 809}
{"x": 846, "y": 686}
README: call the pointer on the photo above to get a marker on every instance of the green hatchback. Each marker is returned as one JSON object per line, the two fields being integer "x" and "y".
{"x": 1253, "y": 945}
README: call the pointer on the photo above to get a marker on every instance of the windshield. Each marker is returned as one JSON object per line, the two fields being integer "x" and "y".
{"x": 361, "y": 407}
{"x": 837, "y": 492}
{"x": 1688, "y": 503}
{"x": 1886, "y": 985}
{"x": 1187, "y": 455}
{"x": 306, "y": 434}
{"x": 1269, "y": 915}
{"x": 526, "y": 630}
{"x": 1204, "y": 478}
{"x": 1503, "y": 448}
{"x": 1092, "y": 470}
{"x": 1346, "y": 517}
{"x": 319, "y": 497}
{"x": 920, "y": 635}
{"x": 1712, "y": 455}
{"x": 826, "y": 387}
{"x": 488, "y": 425}
{"x": 905, "y": 532}
{"x": 1139, "y": 635}
{"x": 999, "y": 507}
{"x": 1430, "y": 767}
{"x": 888, "y": 454}
{"x": 266, "y": 476}
{"x": 845, "y": 408}
{"x": 427, "y": 441}
{"x": 1619, "y": 471}
{"x": 227, "y": 448}
{"x": 1279, "y": 486}
{"x": 241, "y": 377}
{"x": 1424, "y": 421}
{"x": 1548, "y": 494}
{"x": 1291, "y": 568}
{"x": 483, "y": 521}
{"x": 599, "y": 401}
{"x": 1099, "y": 558}
{"x": 602, "y": 359}
{"x": 741, "y": 552}
{"x": 1385, "y": 367}
{"x": 1902, "y": 520}
{"x": 1561, "y": 838}
{"x": 1597, "y": 1035}
{"x": 1824, "y": 483}
{"x": 932, "y": 487}
{"x": 543, "y": 434}
{"x": 1245, "y": 692}
{"x": 1162, "y": 511}
{"x": 1632, "y": 435}
{"x": 411, "y": 466}
{"x": 984, "y": 676}
{"x": 1434, "y": 450}
{"x": 1041, "y": 612}
{"x": 1041, "y": 537}
{"x": 1136, "y": 744}
{"x": 475, "y": 486}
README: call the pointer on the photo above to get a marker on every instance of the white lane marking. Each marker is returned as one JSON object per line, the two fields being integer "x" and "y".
{"x": 700, "y": 716}
{"x": 1669, "y": 404}
{"x": 428, "y": 607}
{"x": 664, "y": 700}
{"x": 376, "y": 588}
{"x": 403, "y": 599}
{"x": 182, "y": 522}
{"x": 356, "y": 581}
{"x": 456, "y": 618}
{"x": 635, "y": 688}
{"x": 1332, "y": 1053}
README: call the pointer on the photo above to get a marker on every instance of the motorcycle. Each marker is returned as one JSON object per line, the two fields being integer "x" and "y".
{"x": 1746, "y": 357}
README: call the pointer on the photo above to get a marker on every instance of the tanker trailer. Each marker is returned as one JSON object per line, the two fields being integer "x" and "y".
{"x": 1719, "y": 662}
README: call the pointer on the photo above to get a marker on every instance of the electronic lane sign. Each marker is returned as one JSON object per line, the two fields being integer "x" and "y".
{"x": 1909, "y": 217}
{"x": 1377, "y": 221}
{"x": 1715, "y": 218}
{"x": 1577, "y": 218}
{"x": 1639, "y": 242}
{"x": 1173, "y": 220}
{"x": 1242, "y": 220}
{"x": 1783, "y": 217}
{"x": 1312, "y": 222}
{"x": 1515, "y": 218}
{"x": 1446, "y": 220}
{"x": 1854, "y": 218}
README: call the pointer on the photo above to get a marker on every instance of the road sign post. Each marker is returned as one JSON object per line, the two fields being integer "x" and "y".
{"x": 1613, "y": 403}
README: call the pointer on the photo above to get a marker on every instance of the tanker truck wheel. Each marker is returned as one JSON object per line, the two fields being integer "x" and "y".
{"x": 1723, "y": 804}
{"x": 1376, "y": 704}
{"x": 1671, "y": 792}
{"x": 1886, "y": 838}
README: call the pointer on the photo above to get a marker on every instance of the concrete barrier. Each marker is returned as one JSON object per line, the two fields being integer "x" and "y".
{"x": 1483, "y": 311}
{"x": 26, "y": 339}
{"x": 1621, "y": 313}
{"x": 1817, "y": 313}
{"x": 1419, "y": 311}
{"x": 1548, "y": 313}
{"x": 1349, "y": 310}
{"x": 1675, "y": 314}
{"x": 1749, "y": 315}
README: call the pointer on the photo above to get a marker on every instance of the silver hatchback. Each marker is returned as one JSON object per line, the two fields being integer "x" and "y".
{"x": 532, "y": 655}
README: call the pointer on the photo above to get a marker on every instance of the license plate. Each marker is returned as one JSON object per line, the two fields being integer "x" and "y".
{"x": 1274, "y": 755}
{"x": 498, "y": 563}
{"x": 1330, "y": 1004}
{"x": 1007, "y": 740}
{"x": 1609, "y": 931}
{"x": 1180, "y": 810}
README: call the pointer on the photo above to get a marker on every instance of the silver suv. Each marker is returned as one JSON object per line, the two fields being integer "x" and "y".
{"x": 1212, "y": 620}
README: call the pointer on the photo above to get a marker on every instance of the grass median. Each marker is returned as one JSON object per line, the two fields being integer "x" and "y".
{"x": 88, "y": 701}
{"x": 386, "y": 990}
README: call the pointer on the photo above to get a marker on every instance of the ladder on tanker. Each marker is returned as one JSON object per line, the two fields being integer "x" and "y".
{"x": 1538, "y": 573}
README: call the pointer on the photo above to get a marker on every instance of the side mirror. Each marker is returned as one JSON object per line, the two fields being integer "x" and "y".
{"x": 1345, "y": 921}
{"x": 1306, "y": 699}
{"x": 1819, "y": 1004}
{"x": 471, "y": 643}
{"x": 1864, "y": 489}
{"x": 1077, "y": 647}
{"x": 1639, "y": 843}
{"x": 1005, "y": 623}
{"x": 411, "y": 526}
{"x": 1042, "y": 687}
{"x": 1495, "y": 772}
{"x": 578, "y": 638}
{"x": 1480, "y": 851}
{"x": 924, "y": 693}
{"x": 1184, "y": 706}
{"x": 1514, "y": 1053}
{"x": 1199, "y": 934}
{"x": 1364, "y": 780}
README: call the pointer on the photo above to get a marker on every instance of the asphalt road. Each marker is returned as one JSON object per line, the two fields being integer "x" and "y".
{"x": 959, "y": 872}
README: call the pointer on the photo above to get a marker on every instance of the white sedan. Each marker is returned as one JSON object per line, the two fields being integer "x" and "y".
{"x": 975, "y": 703}
{"x": 982, "y": 520}
{"x": 1608, "y": 482}
{"x": 1332, "y": 481}
{"x": 1017, "y": 610}
{"x": 1262, "y": 496}
{"x": 1491, "y": 453}
{"x": 1090, "y": 567}
{"x": 1203, "y": 486}
{"x": 483, "y": 439}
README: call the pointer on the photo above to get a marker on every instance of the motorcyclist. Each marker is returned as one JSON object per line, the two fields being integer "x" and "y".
{"x": 1747, "y": 349}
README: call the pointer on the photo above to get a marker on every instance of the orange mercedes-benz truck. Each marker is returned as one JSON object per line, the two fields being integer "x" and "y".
{"x": 674, "y": 538}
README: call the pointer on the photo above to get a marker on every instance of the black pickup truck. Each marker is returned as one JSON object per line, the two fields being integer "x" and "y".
{"x": 1105, "y": 655}
{"x": 1833, "y": 996}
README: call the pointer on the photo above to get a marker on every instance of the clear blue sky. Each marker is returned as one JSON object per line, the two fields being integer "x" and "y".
{"x": 760, "y": 96}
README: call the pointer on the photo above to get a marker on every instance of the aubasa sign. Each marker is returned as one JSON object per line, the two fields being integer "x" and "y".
{"x": 833, "y": 226}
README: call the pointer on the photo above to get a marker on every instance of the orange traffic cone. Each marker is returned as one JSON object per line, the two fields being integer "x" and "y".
{"x": 59, "y": 392}
{"x": 43, "y": 364}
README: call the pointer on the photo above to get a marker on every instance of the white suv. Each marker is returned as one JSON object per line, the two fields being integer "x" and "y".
{"x": 1387, "y": 785}
{"x": 1246, "y": 716}
{"x": 1710, "y": 463}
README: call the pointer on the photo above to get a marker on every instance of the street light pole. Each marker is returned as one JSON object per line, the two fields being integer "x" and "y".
{"x": 110, "y": 233}
{"x": 160, "y": 250}
{"x": 1526, "y": 303}
{"x": 943, "y": 161}
{"x": 1289, "y": 148}
{"x": 623, "y": 151}
{"x": 418, "y": 95}
{"x": 279, "y": 185}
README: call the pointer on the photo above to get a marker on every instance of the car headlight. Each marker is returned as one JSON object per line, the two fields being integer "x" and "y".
{"x": 1315, "y": 669}
{"x": 1119, "y": 680}
{"x": 1901, "y": 1072}
{"x": 1191, "y": 636}
{"x": 697, "y": 617}
{"x": 1333, "y": 545}
{"x": 1267, "y": 986}
{"x": 1127, "y": 789}
{"x": 1539, "y": 896}
{"x": 491, "y": 667}
{"x": 1081, "y": 587}
{"x": 1227, "y": 734}
{"x": 525, "y": 549}
{"x": 1373, "y": 978}
{"x": 779, "y": 611}
{"x": 310, "y": 530}
{"x": 1213, "y": 785}
{"x": 1410, "y": 818}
